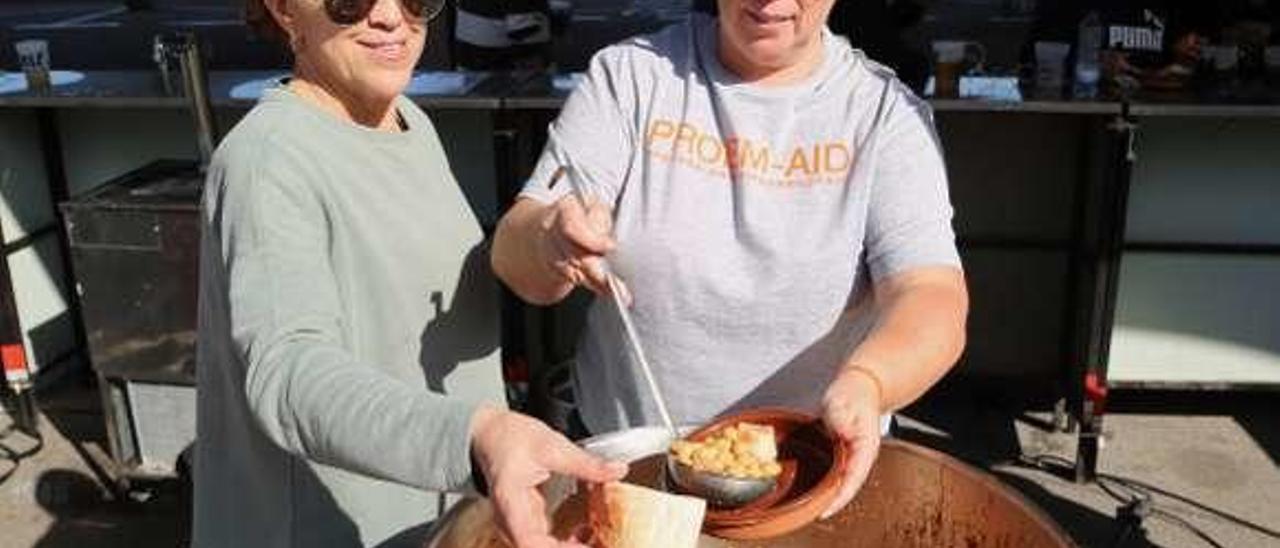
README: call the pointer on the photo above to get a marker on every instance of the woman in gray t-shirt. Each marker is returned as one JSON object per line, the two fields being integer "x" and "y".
{"x": 348, "y": 322}
{"x": 777, "y": 206}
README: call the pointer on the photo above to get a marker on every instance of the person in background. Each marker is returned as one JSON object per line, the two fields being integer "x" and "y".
{"x": 776, "y": 205}
{"x": 502, "y": 34}
{"x": 348, "y": 320}
{"x": 1152, "y": 44}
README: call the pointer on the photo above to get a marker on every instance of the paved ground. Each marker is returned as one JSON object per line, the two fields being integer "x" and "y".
{"x": 58, "y": 497}
{"x": 1210, "y": 463}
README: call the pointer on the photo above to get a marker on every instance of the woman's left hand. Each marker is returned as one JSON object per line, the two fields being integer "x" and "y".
{"x": 852, "y": 408}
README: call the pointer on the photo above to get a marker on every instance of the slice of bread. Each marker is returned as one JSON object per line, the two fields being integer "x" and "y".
{"x": 760, "y": 441}
{"x": 622, "y": 515}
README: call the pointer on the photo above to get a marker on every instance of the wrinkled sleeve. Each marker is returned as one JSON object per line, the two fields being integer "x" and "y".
{"x": 592, "y": 134}
{"x": 304, "y": 388}
{"x": 909, "y": 220}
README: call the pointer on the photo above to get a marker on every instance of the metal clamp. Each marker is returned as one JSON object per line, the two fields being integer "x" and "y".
{"x": 1127, "y": 126}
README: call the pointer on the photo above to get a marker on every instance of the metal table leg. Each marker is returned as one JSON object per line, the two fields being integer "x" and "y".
{"x": 59, "y": 192}
{"x": 13, "y": 355}
{"x": 1109, "y": 248}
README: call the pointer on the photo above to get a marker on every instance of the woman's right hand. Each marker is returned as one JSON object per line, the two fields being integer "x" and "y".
{"x": 543, "y": 251}
{"x": 516, "y": 454}
{"x": 575, "y": 241}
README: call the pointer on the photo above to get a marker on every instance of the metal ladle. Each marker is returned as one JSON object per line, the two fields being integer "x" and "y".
{"x": 719, "y": 489}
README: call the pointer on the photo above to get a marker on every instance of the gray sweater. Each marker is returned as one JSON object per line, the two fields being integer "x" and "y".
{"x": 348, "y": 329}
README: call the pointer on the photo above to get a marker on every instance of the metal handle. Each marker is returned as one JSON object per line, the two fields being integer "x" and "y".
{"x": 633, "y": 338}
{"x": 195, "y": 83}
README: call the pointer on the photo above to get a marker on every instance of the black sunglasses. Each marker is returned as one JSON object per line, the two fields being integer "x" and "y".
{"x": 350, "y": 12}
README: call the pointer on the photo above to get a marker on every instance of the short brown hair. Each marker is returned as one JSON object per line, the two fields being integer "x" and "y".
{"x": 260, "y": 20}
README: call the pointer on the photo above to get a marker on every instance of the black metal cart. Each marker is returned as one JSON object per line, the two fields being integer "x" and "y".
{"x": 135, "y": 249}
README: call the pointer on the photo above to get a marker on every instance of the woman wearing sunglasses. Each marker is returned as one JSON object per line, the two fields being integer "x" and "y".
{"x": 343, "y": 327}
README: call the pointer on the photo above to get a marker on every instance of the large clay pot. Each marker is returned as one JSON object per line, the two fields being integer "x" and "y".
{"x": 914, "y": 497}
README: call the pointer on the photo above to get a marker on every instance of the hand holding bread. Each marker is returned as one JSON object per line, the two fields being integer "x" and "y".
{"x": 516, "y": 454}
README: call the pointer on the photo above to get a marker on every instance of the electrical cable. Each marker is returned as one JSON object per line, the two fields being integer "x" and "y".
{"x": 13, "y": 456}
{"x": 1168, "y": 516}
{"x": 1139, "y": 502}
{"x": 13, "y": 467}
{"x": 1133, "y": 484}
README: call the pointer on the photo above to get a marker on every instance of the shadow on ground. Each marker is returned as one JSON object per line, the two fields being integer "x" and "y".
{"x": 78, "y": 491}
{"x": 85, "y": 514}
{"x": 975, "y": 421}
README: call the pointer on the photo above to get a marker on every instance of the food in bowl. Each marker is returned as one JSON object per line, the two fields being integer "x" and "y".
{"x": 622, "y": 515}
{"x": 741, "y": 450}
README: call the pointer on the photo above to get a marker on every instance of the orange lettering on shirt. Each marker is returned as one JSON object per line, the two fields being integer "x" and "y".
{"x": 690, "y": 145}
{"x": 799, "y": 162}
{"x": 753, "y": 158}
{"x": 688, "y": 135}
{"x": 836, "y": 158}
{"x": 661, "y": 130}
{"x": 710, "y": 150}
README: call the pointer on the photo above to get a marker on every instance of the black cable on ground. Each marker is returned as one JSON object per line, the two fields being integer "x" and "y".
{"x": 1187, "y": 525}
{"x": 13, "y": 456}
{"x": 1130, "y": 518}
{"x": 1139, "y": 504}
{"x": 1137, "y": 485}
{"x": 13, "y": 464}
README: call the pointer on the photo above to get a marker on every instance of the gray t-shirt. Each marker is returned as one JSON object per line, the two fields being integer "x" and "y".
{"x": 750, "y": 220}
{"x": 344, "y": 293}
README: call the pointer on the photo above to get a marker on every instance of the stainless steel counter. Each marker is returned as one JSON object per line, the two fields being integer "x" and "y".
{"x": 494, "y": 91}
{"x": 229, "y": 89}
{"x": 1226, "y": 100}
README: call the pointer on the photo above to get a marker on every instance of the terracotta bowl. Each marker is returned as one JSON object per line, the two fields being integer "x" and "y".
{"x": 812, "y": 465}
